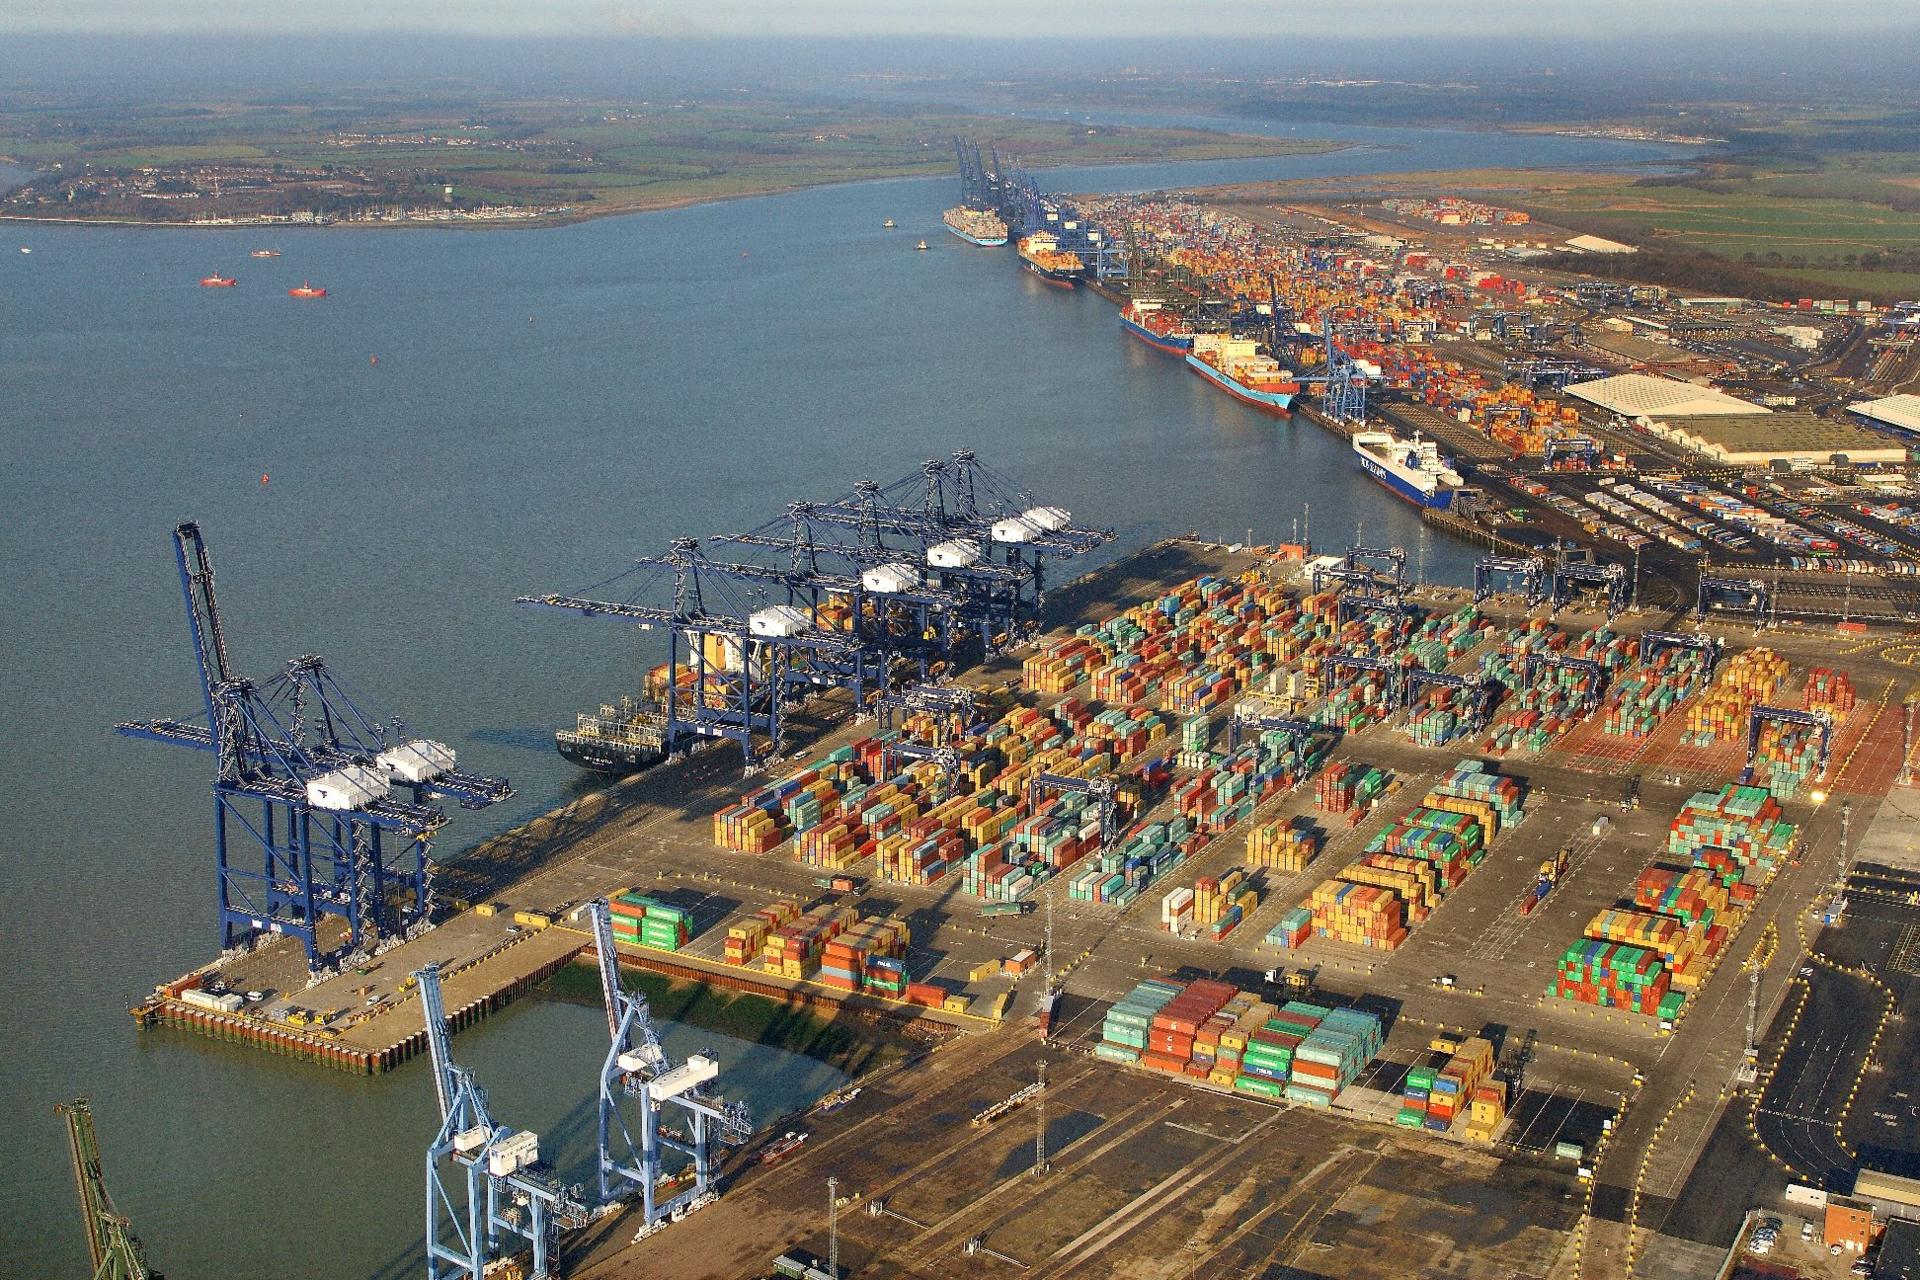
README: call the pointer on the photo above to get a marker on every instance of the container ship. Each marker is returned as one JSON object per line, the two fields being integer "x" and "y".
{"x": 1236, "y": 366}
{"x": 976, "y": 226}
{"x": 1413, "y": 469}
{"x": 624, "y": 738}
{"x": 1042, "y": 254}
{"x": 1154, "y": 325}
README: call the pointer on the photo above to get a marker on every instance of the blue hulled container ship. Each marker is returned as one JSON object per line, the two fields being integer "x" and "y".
{"x": 976, "y": 226}
{"x": 1154, "y": 325}
{"x": 1236, "y": 366}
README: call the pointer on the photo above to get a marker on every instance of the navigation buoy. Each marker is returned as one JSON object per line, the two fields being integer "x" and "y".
{"x": 263, "y": 477}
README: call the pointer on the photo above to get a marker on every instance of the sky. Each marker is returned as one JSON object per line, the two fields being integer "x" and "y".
{"x": 971, "y": 18}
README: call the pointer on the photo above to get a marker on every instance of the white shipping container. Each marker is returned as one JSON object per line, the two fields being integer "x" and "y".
{"x": 226, "y": 1002}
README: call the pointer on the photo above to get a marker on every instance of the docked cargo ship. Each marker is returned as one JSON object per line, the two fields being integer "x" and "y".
{"x": 1413, "y": 469}
{"x": 1236, "y": 366}
{"x": 976, "y": 226}
{"x": 1158, "y": 327}
{"x": 1042, "y": 254}
{"x": 624, "y": 738}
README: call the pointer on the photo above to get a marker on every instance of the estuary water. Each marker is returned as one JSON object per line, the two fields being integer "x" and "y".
{"x": 545, "y": 405}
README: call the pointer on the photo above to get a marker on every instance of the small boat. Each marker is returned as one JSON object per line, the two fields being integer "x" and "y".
{"x": 888, "y": 224}
{"x": 217, "y": 281}
{"x": 921, "y": 245}
{"x": 306, "y": 290}
{"x": 789, "y": 1142}
{"x": 264, "y": 253}
{"x": 24, "y": 249}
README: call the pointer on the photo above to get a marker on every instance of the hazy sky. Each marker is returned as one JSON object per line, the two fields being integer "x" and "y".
{"x": 1111, "y": 18}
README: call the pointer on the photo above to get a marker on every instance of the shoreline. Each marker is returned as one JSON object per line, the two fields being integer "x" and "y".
{"x": 578, "y": 216}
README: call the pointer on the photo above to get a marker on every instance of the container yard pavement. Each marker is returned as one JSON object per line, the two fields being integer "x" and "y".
{"x": 1149, "y": 1162}
{"x": 1146, "y": 1176}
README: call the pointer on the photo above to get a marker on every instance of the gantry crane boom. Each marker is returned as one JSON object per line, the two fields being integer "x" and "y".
{"x": 114, "y": 1252}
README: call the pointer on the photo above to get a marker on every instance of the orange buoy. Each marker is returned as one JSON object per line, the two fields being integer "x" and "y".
{"x": 263, "y": 477}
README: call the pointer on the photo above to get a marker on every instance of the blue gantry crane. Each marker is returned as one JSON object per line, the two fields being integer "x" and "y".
{"x": 1370, "y": 578}
{"x": 1308, "y": 739}
{"x": 1477, "y": 696}
{"x": 1653, "y": 642}
{"x": 1537, "y": 662}
{"x": 1574, "y": 576}
{"x": 1342, "y": 379}
{"x": 1758, "y": 719}
{"x": 638, "y": 1073}
{"x": 488, "y": 1196}
{"x": 1391, "y": 677}
{"x": 750, "y": 660}
{"x": 951, "y": 553}
{"x": 319, "y": 808}
{"x": 1527, "y": 573}
{"x": 1740, "y": 595}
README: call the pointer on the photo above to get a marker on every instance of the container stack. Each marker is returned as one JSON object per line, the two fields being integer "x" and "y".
{"x": 1364, "y": 915}
{"x": 1333, "y": 1055}
{"x": 1343, "y": 787}
{"x": 1283, "y": 845}
{"x": 766, "y": 818}
{"x": 1638, "y": 702}
{"x": 648, "y": 922}
{"x": 1786, "y": 757}
{"x": 1612, "y": 976}
{"x": 1219, "y": 905}
{"x": 1736, "y": 833}
{"x": 1211, "y": 1031}
{"x": 1411, "y": 865}
{"x": 1829, "y": 691}
{"x": 1433, "y": 720}
{"x": 1293, "y": 929}
{"x": 793, "y": 949}
{"x": 1123, "y": 1034}
{"x": 1749, "y": 677}
{"x": 747, "y": 939}
{"x": 867, "y": 955}
{"x": 1123, "y": 874}
{"x": 1488, "y": 1110}
{"x": 1170, "y": 1037}
{"x": 1449, "y": 1091}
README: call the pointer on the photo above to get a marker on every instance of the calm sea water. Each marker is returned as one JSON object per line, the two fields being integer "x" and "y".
{"x": 545, "y": 405}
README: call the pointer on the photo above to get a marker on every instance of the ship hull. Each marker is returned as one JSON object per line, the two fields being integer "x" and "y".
{"x": 606, "y": 757}
{"x": 1402, "y": 488}
{"x": 1046, "y": 276}
{"x": 983, "y": 243}
{"x": 1159, "y": 341}
{"x": 1279, "y": 403}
